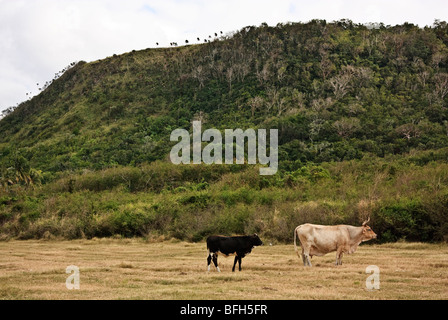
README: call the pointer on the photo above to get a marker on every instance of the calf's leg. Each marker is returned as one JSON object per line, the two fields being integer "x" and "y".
{"x": 239, "y": 262}
{"x": 215, "y": 261}
{"x": 209, "y": 260}
{"x": 214, "y": 257}
{"x": 234, "y": 263}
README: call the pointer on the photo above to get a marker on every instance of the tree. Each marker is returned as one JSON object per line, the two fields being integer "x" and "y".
{"x": 441, "y": 85}
{"x": 408, "y": 131}
{"x": 255, "y": 103}
{"x": 315, "y": 126}
{"x": 230, "y": 76}
{"x": 340, "y": 84}
{"x": 320, "y": 106}
{"x": 326, "y": 65}
{"x": 199, "y": 74}
{"x": 346, "y": 126}
{"x": 16, "y": 170}
{"x": 272, "y": 98}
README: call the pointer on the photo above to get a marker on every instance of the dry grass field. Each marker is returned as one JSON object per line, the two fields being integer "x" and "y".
{"x": 137, "y": 269}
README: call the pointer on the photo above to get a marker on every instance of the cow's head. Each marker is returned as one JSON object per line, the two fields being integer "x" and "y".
{"x": 256, "y": 241}
{"x": 367, "y": 232}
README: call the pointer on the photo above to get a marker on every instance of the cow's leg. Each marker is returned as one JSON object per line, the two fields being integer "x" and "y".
{"x": 339, "y": 254}
{"x": 307, "y": 260}
{"x": 306, "y": 248}
{"x": 304, "y": 260}
{"x": 303, "y": 257}
{"x": 215, "y": 261}
{"x": 306, "y": 256}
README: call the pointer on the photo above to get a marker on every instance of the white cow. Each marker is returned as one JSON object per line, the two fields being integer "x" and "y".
{"x": 318, "y": 240}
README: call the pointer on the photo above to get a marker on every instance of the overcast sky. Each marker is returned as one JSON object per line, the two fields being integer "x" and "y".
{"x": 40, "y": 37}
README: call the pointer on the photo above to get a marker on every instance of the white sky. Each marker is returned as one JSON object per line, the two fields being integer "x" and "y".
{"x": 40, "y": 37}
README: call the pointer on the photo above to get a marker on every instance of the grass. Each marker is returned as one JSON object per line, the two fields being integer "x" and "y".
{"x": 137, "y": 269}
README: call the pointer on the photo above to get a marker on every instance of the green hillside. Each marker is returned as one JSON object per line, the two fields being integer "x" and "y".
{"x": 88, "y": 156}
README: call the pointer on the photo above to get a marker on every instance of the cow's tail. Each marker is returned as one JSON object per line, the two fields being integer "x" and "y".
{"x": 295, "y": 241}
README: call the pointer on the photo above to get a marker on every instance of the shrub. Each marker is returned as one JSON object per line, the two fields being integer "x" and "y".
{"x": 404, "y": 219}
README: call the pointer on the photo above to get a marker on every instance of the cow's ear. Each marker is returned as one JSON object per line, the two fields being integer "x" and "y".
{"x": 255, "y": 235}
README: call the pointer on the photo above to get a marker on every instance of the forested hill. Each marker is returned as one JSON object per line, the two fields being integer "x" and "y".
{"x": 362, "y": 120}
{"x": 336, "y": 91}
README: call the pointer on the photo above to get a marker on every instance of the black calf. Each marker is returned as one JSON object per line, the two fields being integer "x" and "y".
{"x": 239, "y": 246}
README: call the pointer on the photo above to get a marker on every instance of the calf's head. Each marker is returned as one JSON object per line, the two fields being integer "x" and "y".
{"x": 255, "y": 240}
